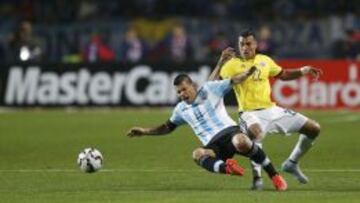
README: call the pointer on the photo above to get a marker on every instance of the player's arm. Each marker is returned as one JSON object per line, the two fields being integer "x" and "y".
{"x": 239, "y": 78}
{"x": 221, "y": 87}
{"x": 226, "y": 55}
{"x": 162, "y": 129}
{"x": 297, "y": 73}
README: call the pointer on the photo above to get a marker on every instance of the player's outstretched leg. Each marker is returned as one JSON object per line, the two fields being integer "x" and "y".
{"x": 309, "y": 132}
{"x": 247, "y": 148}
{"x": 206, "y": 158}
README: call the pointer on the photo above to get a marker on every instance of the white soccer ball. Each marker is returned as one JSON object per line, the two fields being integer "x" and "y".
{"x": 90, "y": 160}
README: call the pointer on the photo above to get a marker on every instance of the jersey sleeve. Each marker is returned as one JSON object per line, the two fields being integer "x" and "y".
{"x": 275, "y": 69}
{"x": 176, "y": 117}
{"x": 219, "y": 87}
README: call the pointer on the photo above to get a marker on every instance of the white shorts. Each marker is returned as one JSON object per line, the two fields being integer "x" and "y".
{"x": 273, "y": 120}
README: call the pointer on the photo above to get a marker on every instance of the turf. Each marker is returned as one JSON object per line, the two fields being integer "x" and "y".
{"x": 38, "y": 151}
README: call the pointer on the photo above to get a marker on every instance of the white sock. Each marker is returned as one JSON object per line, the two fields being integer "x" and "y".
{"x": 256, "y": 167}
{"x": 217, "y": 166}
{"x": 302, "y": 146}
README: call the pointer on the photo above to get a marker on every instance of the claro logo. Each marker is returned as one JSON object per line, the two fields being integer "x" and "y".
{"x": 319, "y": 94}
{"x": 32, "y": 86}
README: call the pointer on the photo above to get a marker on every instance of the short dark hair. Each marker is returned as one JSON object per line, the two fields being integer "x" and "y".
{"x": 182, "y": 77}
{"x": 247, "y": 33}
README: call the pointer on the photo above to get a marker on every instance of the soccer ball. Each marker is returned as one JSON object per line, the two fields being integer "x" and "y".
{"x": 90, "y": 160}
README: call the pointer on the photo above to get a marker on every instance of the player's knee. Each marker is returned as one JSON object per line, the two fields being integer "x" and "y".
{"x": 316, "y": 128}
{"x": 200, "y": 152}
{"x": 241, "y": 143}
{"x": 255, "y": 132}
{"x": 197, "y": 154}
{"x": 311, "y": 129}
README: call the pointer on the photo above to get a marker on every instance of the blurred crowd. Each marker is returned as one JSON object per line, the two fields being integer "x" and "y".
{"x": 65, "y": 11}
{"x": 178, "y": 33}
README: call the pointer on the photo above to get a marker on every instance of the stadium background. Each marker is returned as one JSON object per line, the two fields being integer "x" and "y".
{"x": 81, "y": 73}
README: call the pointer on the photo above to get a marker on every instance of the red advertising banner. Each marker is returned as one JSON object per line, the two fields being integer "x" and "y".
{"x": 338, "y": 87}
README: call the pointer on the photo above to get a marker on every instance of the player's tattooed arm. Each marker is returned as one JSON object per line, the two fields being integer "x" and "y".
{"x": 239, "y": 78}
{"x": 162, "y": 129}
{"x": 226, "y": 55}
{"x": 297, "y": 73}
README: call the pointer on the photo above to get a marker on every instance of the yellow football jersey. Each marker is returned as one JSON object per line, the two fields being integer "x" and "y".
{"x": 254, "y": 92}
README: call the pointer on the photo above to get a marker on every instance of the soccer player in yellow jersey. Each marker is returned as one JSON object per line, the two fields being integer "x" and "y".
{"x": 258, "y": 115}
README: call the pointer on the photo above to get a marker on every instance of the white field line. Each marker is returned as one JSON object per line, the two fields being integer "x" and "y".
{"x": 156, "y": 170}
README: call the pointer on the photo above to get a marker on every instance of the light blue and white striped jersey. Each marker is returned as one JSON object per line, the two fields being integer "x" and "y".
{"x": 207, "y": 115}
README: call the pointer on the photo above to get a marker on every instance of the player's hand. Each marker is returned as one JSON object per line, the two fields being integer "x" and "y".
{"x": 136, "y": 132}
{"x": 227, "y": 54}
{"x": 314, "y": 72}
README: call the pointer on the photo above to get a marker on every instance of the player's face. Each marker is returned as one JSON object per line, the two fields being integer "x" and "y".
{"x": 247, "y": 47}
{"x": 186, "y": 91}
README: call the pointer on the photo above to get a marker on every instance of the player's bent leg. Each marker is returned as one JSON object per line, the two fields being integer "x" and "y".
{"x": 247, "y": 148}
{"x": 207, "y": 159}
{"x": 200, "y": 152}
{"x": 241, "y": 143}
{"x": 309, "y": 132}
{"x": 311, "y": 129}
{"x": 255, "y": 132}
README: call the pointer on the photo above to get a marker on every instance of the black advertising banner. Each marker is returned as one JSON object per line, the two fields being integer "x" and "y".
{"x": 94, "y": 84}
{"x": 150, "y": 84}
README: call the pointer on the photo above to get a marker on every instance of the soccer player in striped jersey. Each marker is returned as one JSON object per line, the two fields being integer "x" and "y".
{"x": 203, "y": 109}
{"x": 258, "y": 115}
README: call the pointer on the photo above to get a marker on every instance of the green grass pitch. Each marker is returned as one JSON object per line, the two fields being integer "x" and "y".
{"x": 38, "y": 151}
